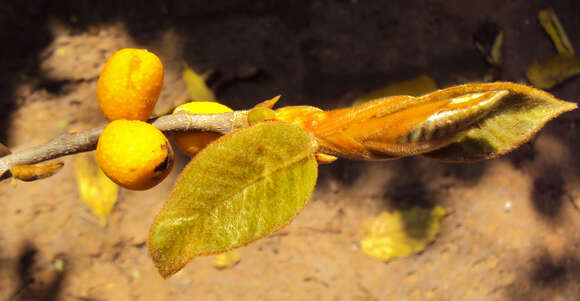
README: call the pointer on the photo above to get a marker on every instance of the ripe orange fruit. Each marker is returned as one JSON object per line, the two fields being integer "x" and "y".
{"x": 192, "y": 143}
{"x": 134, "y": 154}
{"x": 130, "y": 84}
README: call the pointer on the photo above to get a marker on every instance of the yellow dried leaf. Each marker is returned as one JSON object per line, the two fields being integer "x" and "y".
{"x": 552, "y": 25}
{"x": 494, "y": 55}
{"x": 226, "y": 260}
{"x": 416, "y": 86}
{"x": 488, "y": 39}
{"x": 401, "y": 233}
{"x": 196, "y": 86}
{"x": 58, "y": 265}
{"x": 95, "y": 188}
{"x": 546, "y": 73}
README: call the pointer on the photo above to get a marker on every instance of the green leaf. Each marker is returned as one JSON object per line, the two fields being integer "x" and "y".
{"x": 519, "y": 115}
{"x": 240, "y": 188}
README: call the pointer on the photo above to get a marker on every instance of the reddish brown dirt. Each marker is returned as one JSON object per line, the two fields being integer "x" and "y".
{"x": 313, "y": 52}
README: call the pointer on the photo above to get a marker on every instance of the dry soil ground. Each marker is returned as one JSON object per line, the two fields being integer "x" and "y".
{"x": 323, "y": 53}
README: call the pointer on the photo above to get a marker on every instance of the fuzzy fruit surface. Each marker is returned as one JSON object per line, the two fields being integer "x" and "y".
{"x": 130, "y": 84}
{"x": 134, "y": 154}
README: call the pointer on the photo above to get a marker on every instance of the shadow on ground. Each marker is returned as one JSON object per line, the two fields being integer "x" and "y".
{"x": 28, "y": 287}
{"x": 547, "y": 278}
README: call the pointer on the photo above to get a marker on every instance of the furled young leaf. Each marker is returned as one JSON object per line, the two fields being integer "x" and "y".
{"x": 401, "y": 233}
{"x": 242, "y": 187}
{"x": 304, "y": 117}
{"x": 399, "y": 126}
{"x": 95, "y": 188}
{"x": 519, "y": 115}
{"x": 418, "y": 126}
{"x": 499, "y": 116}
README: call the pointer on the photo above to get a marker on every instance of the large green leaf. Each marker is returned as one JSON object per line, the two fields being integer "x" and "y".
{"x": 240, "y": 188}
{"x": 518, "y": 116}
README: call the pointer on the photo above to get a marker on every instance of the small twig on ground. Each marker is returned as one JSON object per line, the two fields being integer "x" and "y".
{"x": 573, "y": 201}
{"x": 74, "y": 143}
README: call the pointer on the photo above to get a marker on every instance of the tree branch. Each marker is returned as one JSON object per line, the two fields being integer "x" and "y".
{"x": 74, "y": 143}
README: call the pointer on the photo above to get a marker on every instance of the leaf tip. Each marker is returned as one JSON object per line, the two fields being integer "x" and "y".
{"x": 569, "y": 106}
{"x": 166, "y": 268}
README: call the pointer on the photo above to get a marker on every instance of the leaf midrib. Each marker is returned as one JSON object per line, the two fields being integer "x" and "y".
{"x": 266, "y": 173}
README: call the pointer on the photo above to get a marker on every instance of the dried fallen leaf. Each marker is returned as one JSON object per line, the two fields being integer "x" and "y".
{"x": 226, "y": 260}
{"x": 547, "y": 73}
{"x": 197, "y": 89}
{"x": 495, "y": 54}
{"x": 416, "y": 86}
{"x": 401, "y": 233}
{"x": 58, "y": 265}
{"x": 488, "y": 40}
{"x": 555, "y": 30}
{"x": 95, "y": 188}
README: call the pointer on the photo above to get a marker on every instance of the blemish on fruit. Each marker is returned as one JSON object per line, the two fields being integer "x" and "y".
{"x": 166, "y": 162}
{"x": 164, "y": 165}
{"x": 135, "y": 63}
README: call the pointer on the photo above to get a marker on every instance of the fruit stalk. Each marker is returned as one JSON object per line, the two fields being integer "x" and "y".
{"x": 73, "y": 143}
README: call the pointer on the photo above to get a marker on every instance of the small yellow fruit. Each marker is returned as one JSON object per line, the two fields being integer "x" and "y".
{"x": 130, "y": 84}
{"x": 192, "y": 143}
{"x": 134, "y": 154}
